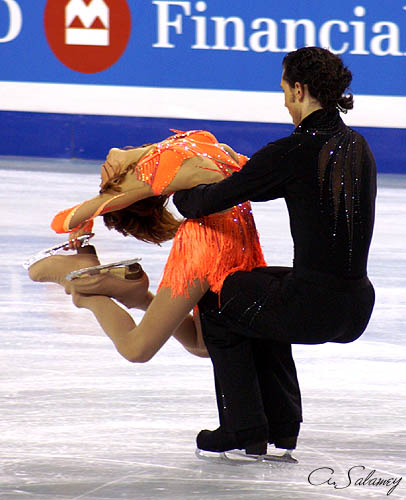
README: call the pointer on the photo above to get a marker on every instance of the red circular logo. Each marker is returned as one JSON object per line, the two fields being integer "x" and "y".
{"x": 87, "y": 35}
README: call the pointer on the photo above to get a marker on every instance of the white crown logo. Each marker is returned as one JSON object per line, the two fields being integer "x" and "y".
{"x": 87, "y": 24}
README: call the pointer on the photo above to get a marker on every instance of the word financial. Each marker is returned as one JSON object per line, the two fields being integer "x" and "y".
{"x": 181, "y": 18}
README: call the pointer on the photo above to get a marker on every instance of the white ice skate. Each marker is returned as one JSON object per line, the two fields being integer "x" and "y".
{"x": 120, "y": 268}
{"x": 84, "y": 240}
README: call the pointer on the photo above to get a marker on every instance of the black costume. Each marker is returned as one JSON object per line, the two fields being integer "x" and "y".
{"x": 326, "y": 173}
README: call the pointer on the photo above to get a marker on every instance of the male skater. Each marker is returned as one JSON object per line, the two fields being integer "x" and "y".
{"x": 327, "y": 175}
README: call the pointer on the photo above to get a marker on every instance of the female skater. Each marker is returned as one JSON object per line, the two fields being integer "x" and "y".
{"x": 204, "y": 251}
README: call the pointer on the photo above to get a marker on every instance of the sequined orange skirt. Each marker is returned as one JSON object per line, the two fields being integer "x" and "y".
{"x": 211, "y": 248}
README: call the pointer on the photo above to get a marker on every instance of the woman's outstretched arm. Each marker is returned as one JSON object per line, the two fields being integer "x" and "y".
{"x": 72, "y": 218}
{"x": 192, "y": 172}
{"x": 165, "y": 316}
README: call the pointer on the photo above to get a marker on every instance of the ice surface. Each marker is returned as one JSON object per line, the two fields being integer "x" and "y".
{"x": 79, "y": 422}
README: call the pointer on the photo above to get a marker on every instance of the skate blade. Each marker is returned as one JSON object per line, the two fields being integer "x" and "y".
{"x": 285, "y": 457}
{"x": 221, "y": 458}
{"x": 91, "y": 271}
{"x": 238, "y": 457}
{"x": 84, "y": 240}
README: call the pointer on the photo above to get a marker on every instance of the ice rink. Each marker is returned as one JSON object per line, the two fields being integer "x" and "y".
{"x": 77, "y": 421}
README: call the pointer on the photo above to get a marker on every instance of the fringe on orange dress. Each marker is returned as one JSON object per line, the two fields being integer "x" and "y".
{"x": 211, "y": 247}
{"x": 214, "y": 246}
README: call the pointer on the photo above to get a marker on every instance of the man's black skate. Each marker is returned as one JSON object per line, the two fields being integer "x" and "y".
{"x": 227, "y": 446}
{"x": 251, "y": 440}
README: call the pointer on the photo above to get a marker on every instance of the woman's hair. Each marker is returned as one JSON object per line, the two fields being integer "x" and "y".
{"x": 324, "y": 74}
{"x": 147, "y": 220}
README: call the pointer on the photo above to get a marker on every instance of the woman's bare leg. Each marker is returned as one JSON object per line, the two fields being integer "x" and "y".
{"x": 131, "y": 291}
{"x": 165, "y": 316}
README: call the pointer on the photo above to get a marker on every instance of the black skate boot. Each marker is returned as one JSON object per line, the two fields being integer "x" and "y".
{"x": 252, "y": 440}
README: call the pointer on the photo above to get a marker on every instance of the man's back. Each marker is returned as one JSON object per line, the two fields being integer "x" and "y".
{"x": 327, "y": 175}
{"x": 330, "y": 196}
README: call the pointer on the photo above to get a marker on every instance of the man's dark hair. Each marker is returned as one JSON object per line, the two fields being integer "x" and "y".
{"x": 324, "y": 74}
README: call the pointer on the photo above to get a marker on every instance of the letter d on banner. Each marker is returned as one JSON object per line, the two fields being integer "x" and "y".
{"x": 16, "y": 21}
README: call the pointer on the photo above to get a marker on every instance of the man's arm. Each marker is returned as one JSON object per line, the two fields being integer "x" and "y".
{"x": 262, "y": 178}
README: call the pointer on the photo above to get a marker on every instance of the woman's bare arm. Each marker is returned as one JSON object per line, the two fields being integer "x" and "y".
{"x": 231, "y": 152}
{"x": 138, "y": 190}
{"x": 193, "y": 171}
{"x": 118, "y": 160}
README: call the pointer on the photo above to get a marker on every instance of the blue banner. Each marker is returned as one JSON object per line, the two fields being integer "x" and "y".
{"x": 93, "y": 74}
{"x": 210, "y": 44}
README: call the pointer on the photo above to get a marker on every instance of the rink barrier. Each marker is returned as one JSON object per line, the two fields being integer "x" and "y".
{"x": 59, "y": 135}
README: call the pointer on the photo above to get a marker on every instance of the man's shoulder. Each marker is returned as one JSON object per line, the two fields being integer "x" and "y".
{"x": 277, "y": 155}
{"x": 357, "y": 135}
{"x": 363, "y": 146}
{"x": 279, "y": 146}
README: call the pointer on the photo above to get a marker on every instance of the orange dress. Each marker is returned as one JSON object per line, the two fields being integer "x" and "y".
{"x": 211, "y": 247}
